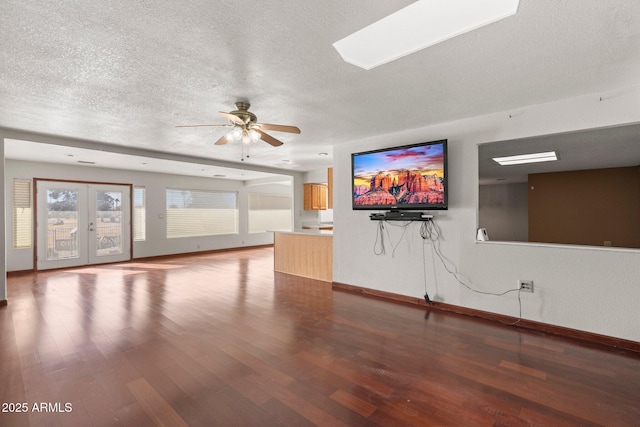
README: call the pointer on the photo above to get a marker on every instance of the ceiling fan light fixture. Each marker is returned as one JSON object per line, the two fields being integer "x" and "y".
{"x": 254, "y": 136}
{"x": 245, "y": 128}
{"x": 234, "y": 135}
{"x": 417, "y": 26}
{"x": 246, "y": 139}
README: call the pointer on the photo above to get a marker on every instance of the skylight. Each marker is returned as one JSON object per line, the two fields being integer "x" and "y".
{"x": 417, "y": 26}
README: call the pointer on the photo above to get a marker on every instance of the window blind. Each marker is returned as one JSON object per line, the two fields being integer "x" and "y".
{"x": 139, "y": 214}
{"x": 201, "y": 213}
{"x": 22, "y": 213}
{"x": 269, "y": 212}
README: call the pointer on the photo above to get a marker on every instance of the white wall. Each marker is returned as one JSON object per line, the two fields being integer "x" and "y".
{"x": 155, "y": 184}
{"x": 585, "y": 288}
{"x": 503, "y": 209}
{"x": 3, "y": 268}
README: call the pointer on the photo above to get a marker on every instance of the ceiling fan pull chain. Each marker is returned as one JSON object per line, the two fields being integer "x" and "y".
{"x": 244, "y": 147}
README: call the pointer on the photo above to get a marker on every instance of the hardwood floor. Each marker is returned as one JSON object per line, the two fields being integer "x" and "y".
{"x": 220, "y": 339}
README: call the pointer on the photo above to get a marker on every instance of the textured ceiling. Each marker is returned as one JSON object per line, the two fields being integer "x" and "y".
{"x": 126, "y": 73}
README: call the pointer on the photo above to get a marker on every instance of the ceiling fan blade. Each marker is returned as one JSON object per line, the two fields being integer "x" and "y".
{"x": 203, "y": 126}
{"x": 223, "y": 140}
{"x": 233, "y": 118}
{"x": 269, "y": 139}
{"x": 279, "y": 128}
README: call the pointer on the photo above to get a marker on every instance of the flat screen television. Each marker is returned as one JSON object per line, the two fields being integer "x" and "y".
{"x": 410, "y": 177}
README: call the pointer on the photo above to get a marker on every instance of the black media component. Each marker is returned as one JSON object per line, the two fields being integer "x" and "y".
{"x": 400, "y": 216}
{"x": 427, "y": 299}
{"x": 403, "y": 215}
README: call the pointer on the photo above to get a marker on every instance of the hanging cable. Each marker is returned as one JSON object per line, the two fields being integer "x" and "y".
{"x": 404, "y": 230}
{"x": 424, "y": 272}
{"x": 379, "y": 238}
{"x": 429, "y": 230}
{"x": 379, "y": 245}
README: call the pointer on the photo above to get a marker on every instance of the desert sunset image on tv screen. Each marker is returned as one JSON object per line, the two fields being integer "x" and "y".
{"x": 401, "y": 177}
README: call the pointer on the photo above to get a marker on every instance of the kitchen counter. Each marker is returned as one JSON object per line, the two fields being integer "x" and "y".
{"x": 310, "y": 231}
{"x": 306, "y": 253}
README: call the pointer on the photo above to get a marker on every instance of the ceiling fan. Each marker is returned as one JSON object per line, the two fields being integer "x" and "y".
{"x": 245, "y": 127}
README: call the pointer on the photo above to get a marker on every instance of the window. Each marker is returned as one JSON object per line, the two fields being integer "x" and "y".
{"x": 201, "y": 213}
{"x": 269, "y": 212}
{"x": 22, "y": 219}
{"x": 139, "y": 214}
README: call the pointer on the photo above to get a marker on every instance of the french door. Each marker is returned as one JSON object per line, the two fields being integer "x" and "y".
{"x": 80, "y": 224}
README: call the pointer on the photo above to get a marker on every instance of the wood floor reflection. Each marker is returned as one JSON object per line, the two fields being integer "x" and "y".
{"x": 221, "y": 340}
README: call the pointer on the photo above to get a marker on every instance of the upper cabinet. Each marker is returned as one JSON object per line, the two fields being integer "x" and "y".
{"x": 315, "y": 197}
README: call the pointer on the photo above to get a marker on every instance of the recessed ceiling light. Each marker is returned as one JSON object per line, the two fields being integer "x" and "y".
{"x": 86, "y": 163}
{"x": 323, "y": 154}
{"x": 417, "y": 26}
{"x": 218, "y": 176}
{"x": 548, "y": 156}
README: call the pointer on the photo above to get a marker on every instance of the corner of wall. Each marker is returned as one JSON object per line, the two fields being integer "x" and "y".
{"x": 3, "y": 249}
{"x": 566, "y": 278}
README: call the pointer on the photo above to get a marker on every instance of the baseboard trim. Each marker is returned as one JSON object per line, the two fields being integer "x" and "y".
{"x": 602, "y": 340}
{"x": 20, "y": 272}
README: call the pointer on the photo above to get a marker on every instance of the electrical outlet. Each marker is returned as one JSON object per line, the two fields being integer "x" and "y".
{"x": 526, "y": 285}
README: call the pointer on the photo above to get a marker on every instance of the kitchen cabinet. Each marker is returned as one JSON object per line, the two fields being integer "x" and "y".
{"x": 315, "y": 197}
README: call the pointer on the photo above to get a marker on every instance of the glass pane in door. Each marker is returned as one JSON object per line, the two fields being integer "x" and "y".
{"x": 62, "y": 224}
{"x": 109, "y": 223}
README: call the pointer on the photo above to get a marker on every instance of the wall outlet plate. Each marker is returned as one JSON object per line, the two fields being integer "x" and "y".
{"x": 526, "y": 285}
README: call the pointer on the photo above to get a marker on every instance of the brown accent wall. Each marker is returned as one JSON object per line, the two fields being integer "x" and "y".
{"x": 587, "y": 207}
